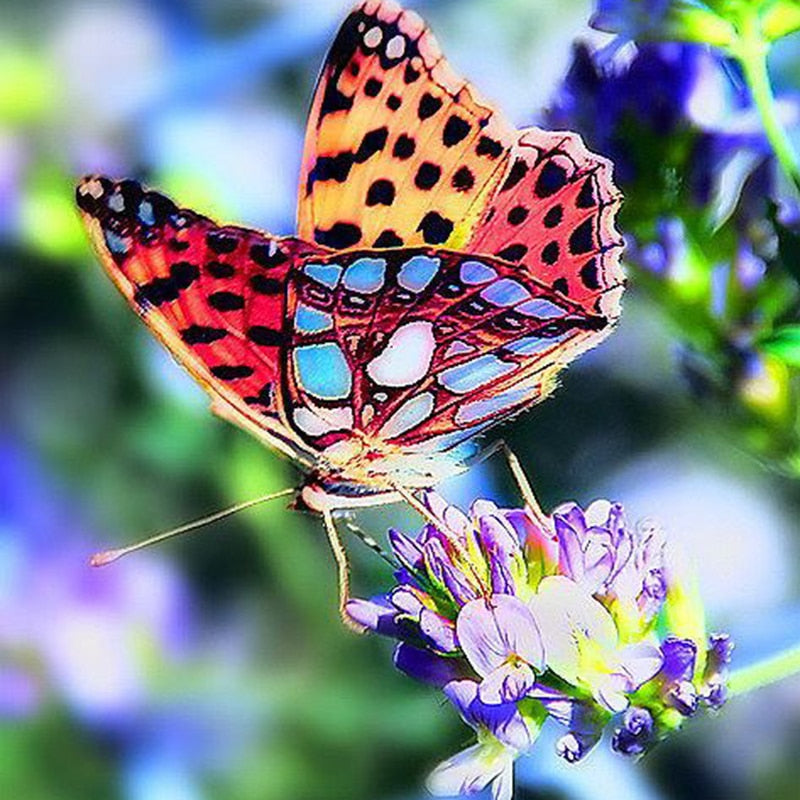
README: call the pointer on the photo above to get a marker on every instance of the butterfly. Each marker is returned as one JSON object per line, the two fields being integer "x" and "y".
{"x": 446, "y": 267}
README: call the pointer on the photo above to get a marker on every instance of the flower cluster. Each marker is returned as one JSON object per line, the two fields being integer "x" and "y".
{"x": 578, "y": 617}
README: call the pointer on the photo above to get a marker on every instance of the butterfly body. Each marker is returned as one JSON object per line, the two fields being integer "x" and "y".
{"x": 446, "y": 267}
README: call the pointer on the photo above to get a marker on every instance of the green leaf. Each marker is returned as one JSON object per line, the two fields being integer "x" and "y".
{"x": 784, "y": 343}
{"x": 694, "y": 24}
{"x": 780, "y": 19}
{"x": 788, "y": 243}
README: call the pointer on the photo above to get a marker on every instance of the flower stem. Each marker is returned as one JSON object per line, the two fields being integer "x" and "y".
{"x": 751, "y": 51}
{"x": 766, "y": 672}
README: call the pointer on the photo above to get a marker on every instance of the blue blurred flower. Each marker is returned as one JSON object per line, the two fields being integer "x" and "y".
{"x": 688, "y": 148}
{"x": 577, "y": 617}
{"x": 120, "y": 648}
{"x": 94, "y": 635}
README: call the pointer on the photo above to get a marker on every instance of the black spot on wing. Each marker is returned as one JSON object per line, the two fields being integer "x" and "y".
{"x": 489, "y": 147}
{"x": 372, "y": 88}
{"x": 590, "y": 274}
{"x": 202, "y": 334}
{"x": 428, "y": 106}
{"x": 381, "y": 193}
{"x": 554, "y": 216}
{"x": 227, "y": 372}
{"x": 427, "y": 175}
{"x": 261, "y": 284}
{"x": 550, "y": 253}
{"x": 518, "y": 215}
{"x": 586, "y": 196}
{"x": 551, "y": 178}
{"x": 388, "y": 238}
{"x": 455, "y": 130}
{"x": 182, "y": 275}
{"x": 221, "y": 242}
{"x": 463, "y": 179}
{"x": 339, "y": 236}
{"x": 217, "y": 269}
{"x": 267, "y": 337}
{"x": 267, "y": 255}
{"x": 517, "y": 172}
{"x": 226, "y": 301}
{"x": 514, "y": 252}
{"x": 404, "y": 147}
{"x": 581, "y": 240}
{"x": 435, "y": 228}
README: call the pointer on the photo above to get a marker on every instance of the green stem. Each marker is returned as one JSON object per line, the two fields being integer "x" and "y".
{"x": 751, "y": 51}
{"x": 763, "y": 673}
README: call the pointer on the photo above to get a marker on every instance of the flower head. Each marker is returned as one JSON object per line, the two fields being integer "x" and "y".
{"x": 579, "y": 618}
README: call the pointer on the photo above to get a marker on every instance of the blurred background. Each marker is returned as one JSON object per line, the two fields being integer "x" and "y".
{"x": 215, "y": 667}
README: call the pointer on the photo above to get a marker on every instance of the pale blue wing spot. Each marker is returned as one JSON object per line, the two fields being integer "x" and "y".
{"x": 365, "y": 275}
{"x": 115, "y": 243}
{"x": 311, "y": 320}
{"x": 319, "y": 421}
{"x": 116, "y": 202}
{"x": 322, "y": 371}
{"x": 326, "y": 274}
{"x": 418, "y": 272}
{"x": 541, "y": 309}
{"x": 505, "y": 292}
{"x": 447, "y": 441}
{"x": 530, "y": 345}
{"x": 475, "y": 410}
{"x": 470, "y": 375}
{"x": 474, "y": 273}
{"x": 146, "y": 214}
{"x": 408, "y": 416}
{"x": 458, "y": 348}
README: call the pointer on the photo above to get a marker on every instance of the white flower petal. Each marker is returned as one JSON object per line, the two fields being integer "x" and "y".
{"x": 473, "y": 769}
{"x": 489, "y": 633}
{"x": 566, "y": 614}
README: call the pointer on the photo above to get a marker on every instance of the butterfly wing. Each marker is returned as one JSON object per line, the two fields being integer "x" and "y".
{"x": 399, "y": 150}
{"x": 553, "y": 215}
{"x": 215, "y": 296}
{"x": 420, "y": 348}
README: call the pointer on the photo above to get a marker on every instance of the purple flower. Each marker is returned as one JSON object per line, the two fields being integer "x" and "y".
{"x": 714, "y": 691}
{"x": 502, "y": 643}
{"x": 630, "y": 18}
{"x": 635, "y": 733}
{"x": 565, "y": 618}
{"x": 502, "y": 720}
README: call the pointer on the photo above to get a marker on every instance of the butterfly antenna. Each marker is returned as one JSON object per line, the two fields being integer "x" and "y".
{"x": 369, "y": 541}
{"x": 108, "y": 556}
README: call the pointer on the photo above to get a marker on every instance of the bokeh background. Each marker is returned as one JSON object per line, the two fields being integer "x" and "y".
{"x": 215, "y": 666}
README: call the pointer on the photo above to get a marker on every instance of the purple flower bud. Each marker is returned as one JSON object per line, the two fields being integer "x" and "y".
{"x": 377, "y": 614}
{"x": 408, "y": 552}
{"x": 439, "y": 631}
{"x": 569, "y": 748}
{"x": 406, "y": 600}
{"x": 715, "y": 695}
{"x": 683, "y": 697}
{"x": 679, "y": 659}
{"x": 635, "y": 734}
{"x": 719, "y": 653}
{"x": 425, "y": 666}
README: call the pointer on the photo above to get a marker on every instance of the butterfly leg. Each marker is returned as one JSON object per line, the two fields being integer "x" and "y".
{"x": 521, "y": 479}
{"x": 416, "y": 504}
{"x": 343, "y": 567}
